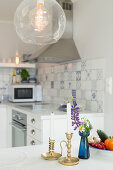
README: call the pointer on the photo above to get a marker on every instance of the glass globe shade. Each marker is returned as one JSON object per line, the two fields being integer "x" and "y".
{"x": 40, "y": 22}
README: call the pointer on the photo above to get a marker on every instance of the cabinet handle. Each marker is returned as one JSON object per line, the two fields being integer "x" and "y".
{"x": 33, "y": 132}
{"x": 32, "y": 142}
{"x": 33, "y": 121}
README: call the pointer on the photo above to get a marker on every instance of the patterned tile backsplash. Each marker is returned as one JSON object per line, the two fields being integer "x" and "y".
{"x": 84, "y": 79}
{"x": 5, "y": 80}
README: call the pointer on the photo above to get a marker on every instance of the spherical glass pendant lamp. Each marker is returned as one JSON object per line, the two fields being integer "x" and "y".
{"x": 40, "y": 22}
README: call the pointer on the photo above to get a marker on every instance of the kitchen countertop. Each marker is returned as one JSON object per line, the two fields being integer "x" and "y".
{"x": 29, "y": 158}
{"x": 43, "y": 110}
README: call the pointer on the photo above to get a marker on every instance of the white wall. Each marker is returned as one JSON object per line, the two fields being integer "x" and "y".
{"x": 109, "y": 73}
{"x": 9, "y": 42}
{"x": 92, "y": 28}
{"x": 7, "y": 9}
{"x": 93, "y": 35}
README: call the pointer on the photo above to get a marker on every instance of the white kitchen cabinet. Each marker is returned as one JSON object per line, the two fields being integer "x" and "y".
{"x": 34, "y": 121}
{"x": 40, "y": 131}
{"x": 60, "y": 126}
{"x": 3, "y": 126}
{"x": 97, "y": 122}
{"x": 34, "y": 133}
{"x": 9, "y": 127}
{"x": 38, "y": 126}
{"x": 31, "y": 141}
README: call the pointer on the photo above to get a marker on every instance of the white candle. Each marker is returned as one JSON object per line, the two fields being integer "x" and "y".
{"x": 52, "y": 126}
{"x": 69, "y": 122}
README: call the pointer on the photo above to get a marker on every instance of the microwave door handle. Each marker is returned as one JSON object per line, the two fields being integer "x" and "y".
{"x": 17, "y": 127}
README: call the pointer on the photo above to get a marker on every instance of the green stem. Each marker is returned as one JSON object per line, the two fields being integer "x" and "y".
{"x": 111, "y": 138}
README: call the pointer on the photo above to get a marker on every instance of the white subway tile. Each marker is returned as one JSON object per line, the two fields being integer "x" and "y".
{"x": 56, "y": 84}
{"x": 100, "y": 95}
{"x": 48, "y": 70}
{"x": 69, "y": 67}
{"x": 73, "y": 76}
{"x": 73, "y": 85}
{"x": 66, "y": 84}
{"x": 86, "y": 85}
{"x": 88, "y": 95}
{"x": 56, "y": 69}
{"x": 94, "y": 106}
{"x": 94, "y": 75}
{"x": 51, "y": 76}
{"x": 66, "y": 76}
{"x": 83, "y": 75}
{"x": 76, "y": 66}
{"x": 83, "y": 85}
{"x": 44, "y": 92}
{"x": 61, "y": 68}
{"x": 58, "y": 77}
{"x": 100, "y": 84}
{"x": 78, "y": 94}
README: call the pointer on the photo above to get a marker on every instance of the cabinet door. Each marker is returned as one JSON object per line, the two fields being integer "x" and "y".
{"x": 97, "y": 123}
{"x": 60, "y": 127}
{"x": 59, "y": 130}
{"x": 31, "y": 141}
{"x": 34, "y": 121}
{"x": 3, "y": 127}
{"x": 9, "y": 127}
{"x": 34, "y": 133}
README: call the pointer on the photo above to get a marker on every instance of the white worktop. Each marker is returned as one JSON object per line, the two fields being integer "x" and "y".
{"x": 29, "y": 158}
{"x": 44, "y": 111}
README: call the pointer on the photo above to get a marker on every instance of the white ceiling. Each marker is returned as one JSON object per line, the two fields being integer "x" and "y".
{"x": 7, "y": 9}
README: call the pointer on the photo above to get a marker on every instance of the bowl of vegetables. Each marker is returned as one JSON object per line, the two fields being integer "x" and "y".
{"x": 101, "y": 143}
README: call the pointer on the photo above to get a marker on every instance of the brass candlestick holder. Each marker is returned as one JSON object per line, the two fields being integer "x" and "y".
{"x": 69, "y": 161}
{"x": 51, "y": 155}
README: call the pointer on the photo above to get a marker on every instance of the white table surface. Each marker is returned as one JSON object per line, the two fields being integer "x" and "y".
{"x": 29, "y": 158}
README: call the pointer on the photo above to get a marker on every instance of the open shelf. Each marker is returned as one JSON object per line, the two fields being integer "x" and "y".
{"x": 21, "y": 65}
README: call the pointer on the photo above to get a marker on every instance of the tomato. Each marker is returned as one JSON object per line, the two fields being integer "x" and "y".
{"x": 96, "y": 145}
{"x": 93, "y": 144}
{"x": 101, "y": 143}
{"x": 100, "y": 146}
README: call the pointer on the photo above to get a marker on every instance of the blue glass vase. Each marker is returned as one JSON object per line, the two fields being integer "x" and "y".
{"x": 84, "y": 146}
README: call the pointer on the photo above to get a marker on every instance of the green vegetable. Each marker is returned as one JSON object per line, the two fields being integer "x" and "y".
{"x": 103, "y": 136}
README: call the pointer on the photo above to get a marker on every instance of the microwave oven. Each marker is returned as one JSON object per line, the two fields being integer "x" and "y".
{"x": 25, "y": 93}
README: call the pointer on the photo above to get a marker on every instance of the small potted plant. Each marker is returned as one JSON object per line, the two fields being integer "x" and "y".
{"x": 24, "y": 75}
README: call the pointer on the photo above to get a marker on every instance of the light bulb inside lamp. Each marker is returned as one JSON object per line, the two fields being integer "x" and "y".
{"x": 40, "y": 22}
{"x": 39, "y": 16}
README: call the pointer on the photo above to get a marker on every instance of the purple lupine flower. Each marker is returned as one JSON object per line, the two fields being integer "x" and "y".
{"x": 75, "y": 115}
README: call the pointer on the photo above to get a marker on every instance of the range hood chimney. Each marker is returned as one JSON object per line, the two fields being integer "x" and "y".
{"x": 65, "y": 49}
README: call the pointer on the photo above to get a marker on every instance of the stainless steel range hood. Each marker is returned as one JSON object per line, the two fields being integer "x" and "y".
{"x": 65, "y": 49}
